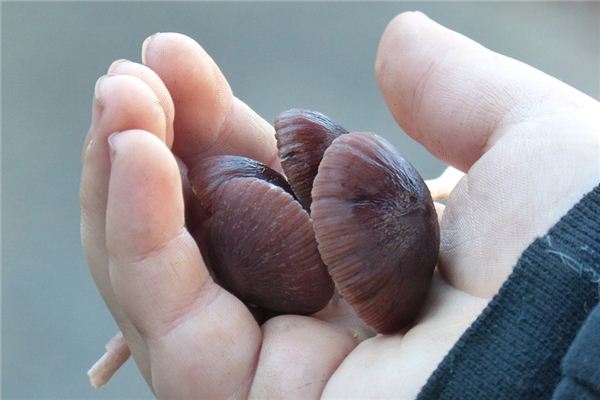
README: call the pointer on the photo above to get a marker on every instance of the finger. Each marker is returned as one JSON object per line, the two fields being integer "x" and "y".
{"x": 202, "y": 340}
{"x": 297, "y": 357}
{"x": 147, "y": 180}
{"x": 148, "y": 76}
{"x": 530, "y": 143}
{"x": 455, "y": 96}
{"x": 209, "y": 119}
{"x": 120, "y": 102}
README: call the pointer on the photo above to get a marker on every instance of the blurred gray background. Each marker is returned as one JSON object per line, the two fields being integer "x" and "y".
{"x": 275, "y": 55}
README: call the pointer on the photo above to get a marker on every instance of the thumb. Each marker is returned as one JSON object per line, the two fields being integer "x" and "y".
{"x": 456, "y": 97}
{"x": 529, "y": 142}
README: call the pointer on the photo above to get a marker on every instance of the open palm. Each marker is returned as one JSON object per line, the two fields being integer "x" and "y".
{"x": 517, "y": 131}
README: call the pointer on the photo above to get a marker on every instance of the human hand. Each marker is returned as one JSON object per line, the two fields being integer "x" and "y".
{"x": 529, "y": 143}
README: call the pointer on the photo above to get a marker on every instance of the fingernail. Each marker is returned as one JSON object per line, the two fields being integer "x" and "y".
{"x": 98, "y": 86}
{"x": 112, "y": 145}
{"x": 115, "y": 63}
{"x": 97, "y": 103}
{"x": 145, "y": 45}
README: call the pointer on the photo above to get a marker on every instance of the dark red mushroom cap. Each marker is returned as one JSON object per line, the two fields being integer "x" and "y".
{"x": 257, "y": 238}
{"x": 206, "y": 174}
{"x": 302, "y": 138}
{"x": 264, "y": 244}
{"x": 376, "y": 228}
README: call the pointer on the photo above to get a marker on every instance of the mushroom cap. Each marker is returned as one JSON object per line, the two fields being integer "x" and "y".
{"x": 302, "y": 138}
{"x": 206, "y": 174}
{"x": 376, "y": 229}
{"x": 263, "y": 249}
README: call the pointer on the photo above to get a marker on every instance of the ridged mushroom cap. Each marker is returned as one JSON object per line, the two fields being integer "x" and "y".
{"x": 264, "y": 244}
{"x": 302, "y": 138}
{"x": 258, "y": 239}
{"x": 206, "y": 174}
{"x": 376, "y": 229}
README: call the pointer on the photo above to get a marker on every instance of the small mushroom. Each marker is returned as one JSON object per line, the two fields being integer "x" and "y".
{"x": 302, "y": 138}
{"x": 206, "y": 174}
{"x": 258, "y": 240}
{"x": 377, "y": 229}
{"x": 374, "y": 217}
{"x": 374, "y": 222}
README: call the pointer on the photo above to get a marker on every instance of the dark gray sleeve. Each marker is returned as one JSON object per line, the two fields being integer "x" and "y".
{"x": 581, "y": 366}
{"x": 515, "y": 347}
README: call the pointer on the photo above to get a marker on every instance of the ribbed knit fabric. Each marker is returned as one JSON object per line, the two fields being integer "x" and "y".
{"x": 515, "y": 347}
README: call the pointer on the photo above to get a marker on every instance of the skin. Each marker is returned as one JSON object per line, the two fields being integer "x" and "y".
{"x": 529, "y": 143}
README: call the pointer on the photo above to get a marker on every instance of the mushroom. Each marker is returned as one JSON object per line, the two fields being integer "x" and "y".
{"x": 374, "y": 222}
{"x": 302, "y": 138}
{"x": 377, "y": 229}
{"x": 353, "y": 211}
{"x": 258, "y": 240}
{"x": 374, "y": 218}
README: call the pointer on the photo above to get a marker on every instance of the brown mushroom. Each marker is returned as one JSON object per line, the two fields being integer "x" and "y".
{"x": 377, "y": 229}
{"x": 206, "y": 174}
{"x": 302, "y": 138}
{"x": 374, "y": 219}
{"x": 258, "y": 240}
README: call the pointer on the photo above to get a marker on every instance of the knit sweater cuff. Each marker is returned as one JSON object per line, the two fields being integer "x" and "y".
{"x": 515, "y": 347}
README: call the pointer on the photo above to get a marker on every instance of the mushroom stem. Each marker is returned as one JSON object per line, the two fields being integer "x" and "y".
{"x": 441, "y": 186}
{"x": 116, "y": 354}
{"x": 439, "y": 209}
{"x": 335, "y": 299}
